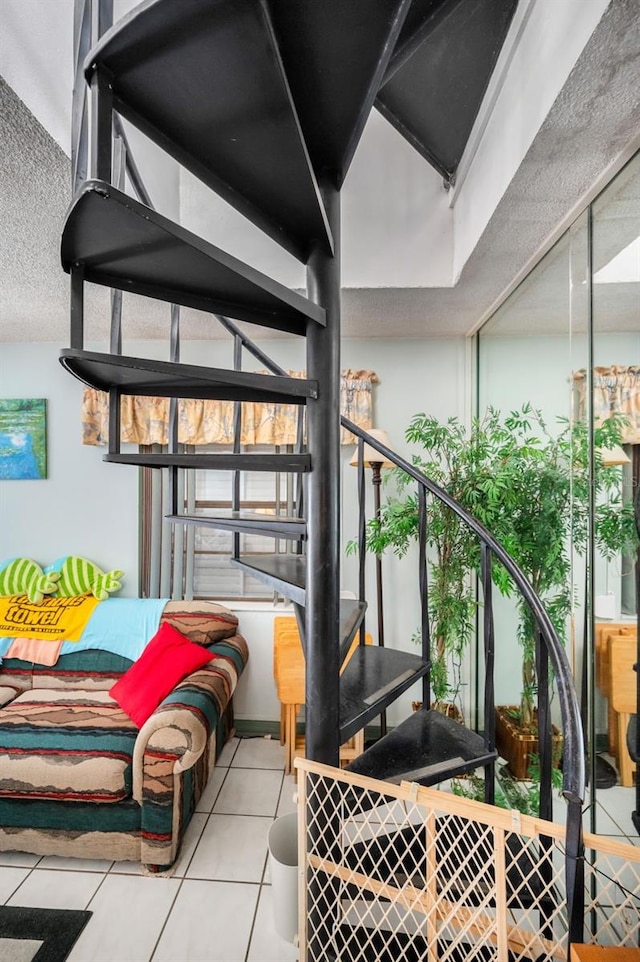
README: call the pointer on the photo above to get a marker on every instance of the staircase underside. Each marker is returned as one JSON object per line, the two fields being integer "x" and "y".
{"x": 119, "y": 242}
{"x": 448, "y": 48}
{"x": 142, "y": 376}
{"x": 248, "y": 522}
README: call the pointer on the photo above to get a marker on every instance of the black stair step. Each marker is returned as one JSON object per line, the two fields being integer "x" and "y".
{"x": 334, "y": 55}
{"x": 427, "y": 747}
{"x": 140, "y": 376}
{"x": 248, "y": 522}
{"x": 438, "y": 125}
{"x": 285, "y": 573}
{"x": 205, "y": 81}
{"x": 372, "y": 680}
{"x": 377, "y": 943}
{"x": 351, "y": 616}
{"x": 297, "y": 463}
{"x": 121, "y": 243}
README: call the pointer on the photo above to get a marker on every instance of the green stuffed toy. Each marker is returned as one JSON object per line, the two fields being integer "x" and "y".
{"x": 77, "y": 576}
{"x": 21, "y": 576}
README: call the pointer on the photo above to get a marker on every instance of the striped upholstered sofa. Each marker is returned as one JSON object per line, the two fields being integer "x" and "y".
{"x": 79, "y": 778}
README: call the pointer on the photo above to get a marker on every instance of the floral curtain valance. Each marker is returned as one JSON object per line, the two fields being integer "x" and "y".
{"x": 145, "y": 420}
{"x": 616, "y": 390}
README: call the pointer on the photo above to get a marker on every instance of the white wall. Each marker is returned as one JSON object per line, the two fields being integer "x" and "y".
{"x": 84, "y": 506}
{"x": 89, "y": 508}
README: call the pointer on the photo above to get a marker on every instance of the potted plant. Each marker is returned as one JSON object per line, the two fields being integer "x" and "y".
{"x": 546, "y": 510}
{"x": 462, "y": 461}
{"x": 531, "y": 490}
{"x": 510, "y": 793}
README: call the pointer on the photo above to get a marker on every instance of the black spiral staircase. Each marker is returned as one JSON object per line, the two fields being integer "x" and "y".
{"x": 265, "y": 101}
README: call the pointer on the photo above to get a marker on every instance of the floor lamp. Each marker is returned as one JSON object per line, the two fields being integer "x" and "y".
{"x": 376, "y": 461}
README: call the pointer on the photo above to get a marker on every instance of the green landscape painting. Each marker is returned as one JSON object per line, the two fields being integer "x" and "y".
{"x": 23, "y": 439}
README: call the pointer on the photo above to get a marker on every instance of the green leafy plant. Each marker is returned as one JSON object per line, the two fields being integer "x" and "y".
{"x": 531, "y": 489}
{"x": 462, "y": 462}
{"x": 545, "y": 510}
{"x": 509, "y": 792}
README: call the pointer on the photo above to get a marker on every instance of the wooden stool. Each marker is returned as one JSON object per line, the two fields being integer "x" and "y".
{"x": 623, "y": 653}
{"x": 604, "y": 631}
{"x": 288, "y": 672}
{"x": 603, "y": 953}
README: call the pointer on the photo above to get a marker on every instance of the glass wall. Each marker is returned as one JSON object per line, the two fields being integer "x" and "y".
{"x": 566, "y": 345}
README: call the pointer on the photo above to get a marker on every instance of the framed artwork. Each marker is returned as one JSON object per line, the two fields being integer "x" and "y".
{"x": 23, "y": 439}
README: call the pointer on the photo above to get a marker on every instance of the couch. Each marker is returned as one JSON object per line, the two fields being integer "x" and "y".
{"x": 79, "y": 778}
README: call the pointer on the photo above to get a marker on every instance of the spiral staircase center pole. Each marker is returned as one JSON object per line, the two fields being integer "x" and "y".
{"x": 322, "y": 721}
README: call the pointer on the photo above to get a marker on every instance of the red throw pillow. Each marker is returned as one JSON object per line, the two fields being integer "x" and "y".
{"x": 168, "y": 658}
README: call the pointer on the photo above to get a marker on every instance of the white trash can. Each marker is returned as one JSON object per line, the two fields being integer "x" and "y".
{"x": 283, "y": 867}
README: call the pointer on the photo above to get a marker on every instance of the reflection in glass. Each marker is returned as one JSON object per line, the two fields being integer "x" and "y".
{"x": 616, "y": 392}
{"x": 567, "y": 341}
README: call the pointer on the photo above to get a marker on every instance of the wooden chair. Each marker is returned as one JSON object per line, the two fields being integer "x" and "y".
{"x": 604, "y": 631}
{"x": 288, "y": 672}
{"x": 604, "y": 953}
{"x": 623, "y": 698}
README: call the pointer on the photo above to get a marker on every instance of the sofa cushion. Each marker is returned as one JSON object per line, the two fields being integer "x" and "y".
{"x": 168, "y": 658}
{"x": 66, "y": 745}
{"x": 203, "y": 622}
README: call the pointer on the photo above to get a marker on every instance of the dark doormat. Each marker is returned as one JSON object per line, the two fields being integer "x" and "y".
{"x": 57, "y": 929}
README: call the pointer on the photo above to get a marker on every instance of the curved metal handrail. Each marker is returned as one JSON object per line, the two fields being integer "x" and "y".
{"x": 574, "y": 774}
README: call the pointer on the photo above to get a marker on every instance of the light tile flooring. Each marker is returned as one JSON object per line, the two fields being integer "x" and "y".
{"x": 217, "y": 905}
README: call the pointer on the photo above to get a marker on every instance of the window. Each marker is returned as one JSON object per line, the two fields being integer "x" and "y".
{"x": 211, "y": 492}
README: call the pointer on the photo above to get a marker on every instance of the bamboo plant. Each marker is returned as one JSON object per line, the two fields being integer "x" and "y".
{"x": 531, "y": 490}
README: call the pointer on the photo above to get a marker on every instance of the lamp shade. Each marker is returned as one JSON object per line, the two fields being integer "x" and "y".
{"x": 370, "y": 455}
{"x": 613, "y": 456}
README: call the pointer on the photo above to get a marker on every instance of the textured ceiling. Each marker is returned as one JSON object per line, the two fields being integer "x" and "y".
{"x": 546, "y": 303}
{"x": 594, "y": 117}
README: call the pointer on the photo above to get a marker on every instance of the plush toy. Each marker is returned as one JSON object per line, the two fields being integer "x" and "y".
{"x": 21, "y": 576}
{"x": 78, "y": 576}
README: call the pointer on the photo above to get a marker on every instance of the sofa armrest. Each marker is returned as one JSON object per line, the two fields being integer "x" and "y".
{"x": 180, "y": 727}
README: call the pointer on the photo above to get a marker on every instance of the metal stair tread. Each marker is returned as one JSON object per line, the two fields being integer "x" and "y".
{"x": 352, "y": 614}
{"x": 285, "y": 573}
{"x": 205, "y": 81}
{"x": 119, "y": 242}
{"x": 334, "y": 54}
{"x": 371, "y": 681}
{"x": 249, "y": 522}
{"x": 145, "y": 376}
{"x": 427, "y": 747}
{"x": 298, "y": 463}
{"x": 438, "y": 126}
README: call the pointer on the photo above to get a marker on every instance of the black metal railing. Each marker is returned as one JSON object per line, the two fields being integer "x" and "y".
{"x": 548, "y": 651}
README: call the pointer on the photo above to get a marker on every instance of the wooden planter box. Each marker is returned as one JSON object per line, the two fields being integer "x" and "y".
{"x": 446, "y": 708}
{"x": 517, "y": 747}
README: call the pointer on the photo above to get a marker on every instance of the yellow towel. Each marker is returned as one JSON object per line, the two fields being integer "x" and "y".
{"x": 54, "y": 619}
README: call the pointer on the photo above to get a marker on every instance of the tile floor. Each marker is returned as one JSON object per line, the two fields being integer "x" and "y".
{"x": 217, "y": 905}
